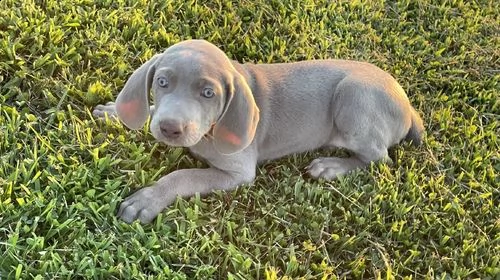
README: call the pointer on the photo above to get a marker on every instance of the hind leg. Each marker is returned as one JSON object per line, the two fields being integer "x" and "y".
{"x": 367, "y": 120}
{"x": 363, "y": 154}
{"x": 367, "y": 143}
{"x": 330, "y": 168}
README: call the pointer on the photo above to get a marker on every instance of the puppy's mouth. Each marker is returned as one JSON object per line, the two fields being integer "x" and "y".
{"x": 189, "y": 137}
{"x": 185, "y": 141}
{"x": 210, "y": 133}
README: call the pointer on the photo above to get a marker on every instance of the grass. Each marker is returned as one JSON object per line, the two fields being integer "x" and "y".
{"x": 434, "y": 214}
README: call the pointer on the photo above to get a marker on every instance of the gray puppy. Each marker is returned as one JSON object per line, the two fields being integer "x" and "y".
{"x": 235, "y": 115}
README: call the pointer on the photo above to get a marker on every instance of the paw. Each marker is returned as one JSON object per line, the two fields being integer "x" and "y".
{"x": 144, "y": 205}
{"x": 329, "y": 168}
{"x": 100, "y": 111}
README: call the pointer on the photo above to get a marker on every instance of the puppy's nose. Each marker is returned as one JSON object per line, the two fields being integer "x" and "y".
{"x": 171, "y": 129}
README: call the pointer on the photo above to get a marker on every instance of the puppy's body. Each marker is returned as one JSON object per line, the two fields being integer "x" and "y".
{"x": 256, "y": 112}
{"x": 336, "y": 97}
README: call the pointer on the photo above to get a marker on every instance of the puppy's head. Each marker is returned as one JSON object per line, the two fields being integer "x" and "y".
{"x": 197, "y": 93}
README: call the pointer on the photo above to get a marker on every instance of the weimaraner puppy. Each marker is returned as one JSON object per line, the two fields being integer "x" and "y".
{"x": 235, "y": 115}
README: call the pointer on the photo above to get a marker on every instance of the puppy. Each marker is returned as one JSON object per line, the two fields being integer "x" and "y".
{"x": 235, "y": 115}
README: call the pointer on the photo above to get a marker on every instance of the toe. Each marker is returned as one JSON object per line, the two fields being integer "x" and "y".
{"x": 315, "y": 170}
{"x": 146, "y": 216}
{"x": 326, "y": 168}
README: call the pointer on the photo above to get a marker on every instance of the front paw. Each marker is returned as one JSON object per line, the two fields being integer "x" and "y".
{"x": 144, "y": 205}
{"x": 100, "y": 111}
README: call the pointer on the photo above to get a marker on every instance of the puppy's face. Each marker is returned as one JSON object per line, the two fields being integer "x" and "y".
{"x": 190, "y": 87}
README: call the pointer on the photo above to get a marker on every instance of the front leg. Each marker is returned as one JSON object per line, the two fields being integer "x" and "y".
{"x": 148, "y": 202}
{"x": 101, "y": 110}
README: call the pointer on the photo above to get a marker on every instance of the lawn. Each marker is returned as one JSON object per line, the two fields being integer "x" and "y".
{"x": 433, "y": 214}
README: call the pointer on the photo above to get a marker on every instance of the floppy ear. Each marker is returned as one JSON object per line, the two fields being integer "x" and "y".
{"x": 132, "y": 104}
{"x": 236, "y": 127}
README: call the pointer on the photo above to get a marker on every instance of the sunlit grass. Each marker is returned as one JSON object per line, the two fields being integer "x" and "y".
{"x": 433, "y": 214}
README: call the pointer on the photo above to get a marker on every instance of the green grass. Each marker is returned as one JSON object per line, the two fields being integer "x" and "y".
{"x": 433, "y": 214}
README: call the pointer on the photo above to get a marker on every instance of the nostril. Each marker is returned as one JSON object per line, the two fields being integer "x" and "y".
{"x": 171, "y": 129}
{"x": 163, "y": 130}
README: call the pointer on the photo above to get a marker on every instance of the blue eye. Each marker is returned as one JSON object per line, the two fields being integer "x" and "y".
{"x": 208, "y": 93}
{"x": 162, "y": 82}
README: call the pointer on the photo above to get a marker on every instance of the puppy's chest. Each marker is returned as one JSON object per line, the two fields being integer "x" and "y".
{"x": 204, "y": 151}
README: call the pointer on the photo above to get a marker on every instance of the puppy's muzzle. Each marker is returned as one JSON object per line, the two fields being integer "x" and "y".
{"x": 172, "y": 129}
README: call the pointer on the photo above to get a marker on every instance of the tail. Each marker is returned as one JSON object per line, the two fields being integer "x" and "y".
{"x": 416, "y": 130}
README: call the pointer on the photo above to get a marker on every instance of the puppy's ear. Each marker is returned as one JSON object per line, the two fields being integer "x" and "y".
{"x": 132, "y": 104}
{"x": 236, "y": 127}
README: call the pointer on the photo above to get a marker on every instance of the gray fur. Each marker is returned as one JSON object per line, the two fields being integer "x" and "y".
{"x": 259, "y": 112}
